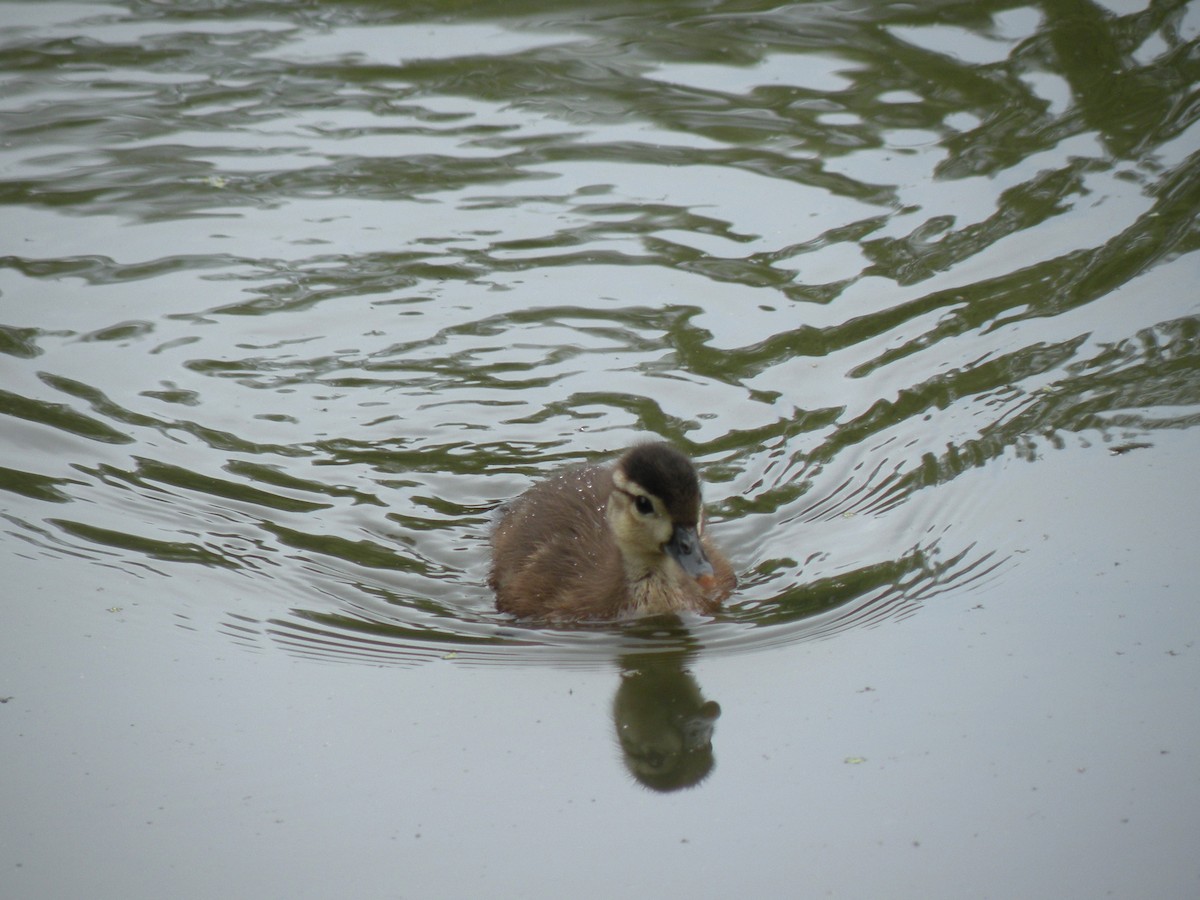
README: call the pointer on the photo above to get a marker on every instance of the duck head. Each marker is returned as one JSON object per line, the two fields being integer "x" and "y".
{"x": 655, "y": 513}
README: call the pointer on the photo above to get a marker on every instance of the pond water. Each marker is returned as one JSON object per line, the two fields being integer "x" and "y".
{"x": 294, "y": 295}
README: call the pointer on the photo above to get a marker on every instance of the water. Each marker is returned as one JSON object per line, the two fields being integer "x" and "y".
{"x": 294, "y": 295}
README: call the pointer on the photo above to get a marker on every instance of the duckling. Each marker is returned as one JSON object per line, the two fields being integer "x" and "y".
{"x": 610, "y": 541}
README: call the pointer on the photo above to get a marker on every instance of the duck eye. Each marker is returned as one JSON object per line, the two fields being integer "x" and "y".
{"x": 643, "y": 504}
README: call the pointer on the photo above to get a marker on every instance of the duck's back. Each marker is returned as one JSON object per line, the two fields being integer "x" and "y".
{"x": 554, "y": 556}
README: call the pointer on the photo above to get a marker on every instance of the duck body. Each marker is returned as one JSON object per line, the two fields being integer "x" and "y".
{"x": 609, "y": 541}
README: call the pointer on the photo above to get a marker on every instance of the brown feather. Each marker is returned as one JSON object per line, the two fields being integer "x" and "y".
{"x": 555, "y": 556}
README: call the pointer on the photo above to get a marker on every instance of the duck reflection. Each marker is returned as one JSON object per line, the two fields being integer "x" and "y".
{"x": 663, "y": 723}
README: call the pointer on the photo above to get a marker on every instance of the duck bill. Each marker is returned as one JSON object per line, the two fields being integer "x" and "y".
{"x": 685, "y": 547}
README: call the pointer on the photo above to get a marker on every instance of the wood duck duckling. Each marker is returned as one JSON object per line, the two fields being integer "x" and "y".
{"x": 610, "y": 541}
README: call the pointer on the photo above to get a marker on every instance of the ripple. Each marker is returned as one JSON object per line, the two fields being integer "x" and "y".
{"x": 298, "y": 301}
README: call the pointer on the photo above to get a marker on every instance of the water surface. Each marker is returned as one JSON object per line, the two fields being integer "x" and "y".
{"x": 292, "y": 296}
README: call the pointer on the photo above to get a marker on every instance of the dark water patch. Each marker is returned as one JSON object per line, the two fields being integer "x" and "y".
{"x": 365, "y": 553}
{"x": 61, "y": 417}
{"x": 155, "y": 471}
{"x": 276, "y": 476}
{"x": 35, "y": 486}
{"x": 122, "y": 331}
{"x": 19, "y": 342}
{"x": 142, "y": 546}
{"x": 105, "y": 270}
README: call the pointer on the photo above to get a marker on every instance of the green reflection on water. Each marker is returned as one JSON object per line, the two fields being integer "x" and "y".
{"x": 317, "y": 296}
